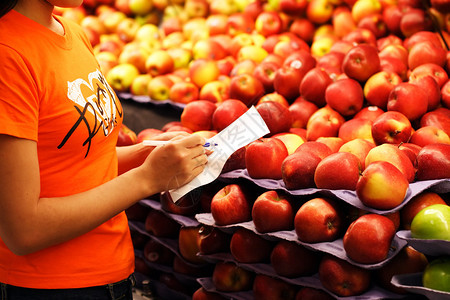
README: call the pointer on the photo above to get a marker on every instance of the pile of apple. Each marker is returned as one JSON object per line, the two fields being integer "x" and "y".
{"x": 355, "y": 93}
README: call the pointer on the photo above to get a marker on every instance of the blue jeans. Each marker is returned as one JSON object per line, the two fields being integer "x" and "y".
{"x": 122, "y": 290}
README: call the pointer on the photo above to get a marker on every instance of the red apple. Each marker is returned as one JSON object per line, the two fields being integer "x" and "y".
{"x": 314, "y": 85}
{"x": 316, "y": 148}
{"x": 290, "y": 259}
{"x": 356, "y": 128}
{"x": 358, "y": 147}
{"x": 361, "y": 36}
{"x": 303, "y": 28}
{"x": 342, "y": 278}
{"x": 275, "y": 97}
{"x": 368, "y": 239}
{"x": 438, "y": 72}
{"x": 369, "y": 112}
{"x": 318, "y": 220}
{"x": 248, "y": 247}
{"x": 126, "y": 136}
{"x": 272, "y": 212}
{"x": 301, "y": 110}
{"x": 415, "y": 20}
{"x": 263, "y": 158}
{"x": 287, "y": 81}
{"x": 340, "y": 170}
{"x": 276, "y": 116}
{"x": 147, "y": 134}
{"x": 439, "y": 118}
{"x": 230, "y": 205}
{"x": 361, "y": 62}
{"x": 235, "y": 161}
{"x": 407, "y": 261}
{"x": 392, "y": 154}
{"x": 159, "y": 224}
{"x": 197, "y": 115}
{"x": 245, "y": 66}
{"x": 265, "y": 73}
{"x": 382, "y": 186}
{"x": 375, "y": 23}
{"x": 188, "y": 245}
{"x": 239, "y": 23}
{"x": 298, "y": 170}
{"x": 411, "y": 150}
{"x": 183, "y": 92}
{"x": 429, "y": 135}
{"x": 409, "y": 99}
{"x": 229, "y": 277}
{"x": 391, "y": 127}
{"x": 331, "y": 62}
{"x": 270, "y": 288}
{"x": 227, "y": 112}
{"x": 426, "y": 52}
{"x": 212, "y": 240}
{"x": 433, "y": 162}
{"x": 345, "y": 96}
{"x": 378, "y": 87}
{"x": 416, "y": 204}
{"x": 392, "y": 15}
{"x": 215, "y": 91}
{"x": 323, "y": 122}
{"x": 247, "y": 88}
{"x": 268, "y": 23}
{"x": 430, "y": 85}
{"x": 394, "y": 65}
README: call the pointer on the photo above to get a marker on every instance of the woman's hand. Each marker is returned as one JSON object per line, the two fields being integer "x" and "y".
{"x": 175, "y": 164}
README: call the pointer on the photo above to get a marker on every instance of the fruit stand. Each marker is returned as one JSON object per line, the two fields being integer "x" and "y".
{"x": 346, "y": 197}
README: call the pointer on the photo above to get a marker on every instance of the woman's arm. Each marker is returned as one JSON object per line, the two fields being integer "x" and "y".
{"x": 29, "y": 223}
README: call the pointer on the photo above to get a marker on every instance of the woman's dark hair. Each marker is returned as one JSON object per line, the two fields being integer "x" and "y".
{"x": 6, "y": 6}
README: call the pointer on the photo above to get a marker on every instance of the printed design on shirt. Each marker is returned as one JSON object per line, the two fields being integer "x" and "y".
{"x": 98, "y": 99}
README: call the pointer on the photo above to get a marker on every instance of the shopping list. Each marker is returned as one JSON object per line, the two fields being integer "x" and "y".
{"x": 244, "y": 130}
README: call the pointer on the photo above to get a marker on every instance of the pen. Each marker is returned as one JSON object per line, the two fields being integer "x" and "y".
{"x": 160, "y": 143}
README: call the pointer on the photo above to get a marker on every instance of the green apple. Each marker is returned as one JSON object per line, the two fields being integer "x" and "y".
{"x": 432, "y": 222}
{"x": 436, "y": 275}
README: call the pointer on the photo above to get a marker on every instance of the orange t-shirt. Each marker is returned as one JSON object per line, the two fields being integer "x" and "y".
{"x": 52, "y": 92}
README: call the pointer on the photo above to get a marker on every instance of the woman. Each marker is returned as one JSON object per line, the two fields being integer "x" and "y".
{"x": 63, "y": 184}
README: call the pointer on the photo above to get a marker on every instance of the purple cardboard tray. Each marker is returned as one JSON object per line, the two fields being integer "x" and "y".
{"x": 426, "y": 246}
{"x": 413, "y": 284}
{"x": 415, "y": 188}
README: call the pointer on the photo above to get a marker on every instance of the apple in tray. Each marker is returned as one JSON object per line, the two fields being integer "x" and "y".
{"x": 272, "y": 212}
{"x": 319, "y": 220}
{"x": 230, "y": 205}
{"x": 229, "y": 277}
{"x": 263, "y": 158}
{"x": 248, "y": 247}
{"x": 368, "y": 239}
{"x": 342, "y": 278}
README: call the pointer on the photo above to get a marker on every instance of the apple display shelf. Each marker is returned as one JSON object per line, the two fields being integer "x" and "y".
{"x": 411, "y": 282}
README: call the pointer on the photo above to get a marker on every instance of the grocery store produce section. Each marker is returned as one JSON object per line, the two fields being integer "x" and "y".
{"x": 346, "y": 197}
